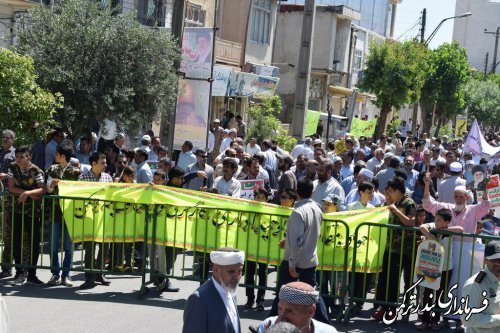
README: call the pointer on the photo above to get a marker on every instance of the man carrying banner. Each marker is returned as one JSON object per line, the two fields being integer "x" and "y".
{"x": 300, "y": 258}
{"x": 212, "y": 308}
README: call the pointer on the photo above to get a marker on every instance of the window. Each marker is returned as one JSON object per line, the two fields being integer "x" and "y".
{"x": 195, "y": 15}
{"x": 261, "y": 21}
{"x": 358, "y": 59}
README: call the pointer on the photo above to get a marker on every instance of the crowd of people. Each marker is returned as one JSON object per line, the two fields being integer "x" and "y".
{"x": 420, "y": 179}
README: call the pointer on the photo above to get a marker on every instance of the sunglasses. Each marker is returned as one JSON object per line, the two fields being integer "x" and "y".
{"x": 202, "y": 156}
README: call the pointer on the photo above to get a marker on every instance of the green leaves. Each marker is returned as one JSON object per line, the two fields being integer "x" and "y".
{"x": 482, "y": 99}
{"x": 105, "y": 65}
{"x": 22, "y": 101}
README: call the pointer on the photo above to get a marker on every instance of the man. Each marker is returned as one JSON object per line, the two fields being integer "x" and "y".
{"x": 145, "y": 143}
{"x": 364, "y": 175}
{"x": 287, "y": 181}
{"x": 252, "y": 147}
{"x": 363, "y": 147}
{"x": 300, "y": 258}
{"x": 326, "y": 184}
{"x": 450, "y": 157}
{"x": 155, "y": 149}
{"x": 337, "y": 166}
{"x": 311, "y": 169}
{"x": 478, "y": 182}
{"x": 303, "y": 148}
{"x": 411, "y": 174}
{"x": 50, "y": 149}
{"x": 95, "y": 174}
{"x": 436, "y": 156}
{"x": 462, "y": 214}
{"x": 299, "y": 169}
{"x": 365, "y": 191}
{"x": 447, "y": 187}
{"x": 212, "y": 308}
{"x": 83, "y": 153}
{"x": 186, "y": 156}
{"x": 385, "y": 175}
{"x": 347, "y": 166}
{"x": 254, "y": 170}
{"x": 219, "y": 136}
{"x": 385, "y": 164}
{"x": 7, "y": 154}
{"x": 121, "y": 162}
{"x": 269, "y": 154}
{"x": 227, "y": 184}
{"x": 297, "y": 305}
{"x": 144, "y": 174}
{"x": 241, "y": 129}
{"x": 26, "y": 183}
{"x": 350, "y": 182}
{"x": 482, "y": 286}
{"x": 199, "y": 183}
{"x": 376, "y": 160}
{"x": 226, "y": 142}
{"x": 60, "y": 170}
{"x": 425, "y": 163}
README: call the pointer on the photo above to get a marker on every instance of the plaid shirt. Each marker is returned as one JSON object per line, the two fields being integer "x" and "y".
{"x": 88, "y": 176}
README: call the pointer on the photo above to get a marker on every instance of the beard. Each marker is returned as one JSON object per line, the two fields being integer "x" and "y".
{"x": 228, "y": 288}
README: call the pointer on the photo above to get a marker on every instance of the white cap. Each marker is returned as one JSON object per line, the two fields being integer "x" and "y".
{"x": 317, "y": 141}
{"x": 337, "y": 159}
{"x": 232, "y": 130}
{"x": 226, "y": 257}
{"x": 367, "y": 173}
{"x": 226, "y": 131}
{"x": 387, "y": 155}
{"x": 456, "y": 167}
{"x": 146, "y": 138}
{"x": 216, "y": 121}
{"x": 461, "y": 188}
{"x": 470, "y": 162}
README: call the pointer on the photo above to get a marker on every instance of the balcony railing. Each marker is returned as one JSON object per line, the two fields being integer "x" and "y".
{"x": 227, "y": 52}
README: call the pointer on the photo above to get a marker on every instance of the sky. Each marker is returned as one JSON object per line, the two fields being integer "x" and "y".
{"x": 409, "y": 12}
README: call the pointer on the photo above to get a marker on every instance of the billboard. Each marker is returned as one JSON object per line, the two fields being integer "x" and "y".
{"x": 196, "y": 54}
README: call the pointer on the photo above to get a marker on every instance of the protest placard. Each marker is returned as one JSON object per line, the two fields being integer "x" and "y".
{"x": 429, "y": 264}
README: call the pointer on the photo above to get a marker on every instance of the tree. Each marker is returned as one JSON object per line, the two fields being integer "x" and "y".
{"x": 444, "y": 86}
{"x": 105, "y": 65}
{"x": 265, "y": 125}
{"x": 482, "y": 98}
{"x": 395, "y": 74}
{"x": 22, "y": 101}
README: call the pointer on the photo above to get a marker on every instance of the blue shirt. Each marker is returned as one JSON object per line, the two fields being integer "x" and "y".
{"x": 347, "y": 183}
{"x": 411, "y": 180}
{"x": 144, "y": 174}
{"x": 186, "y": 159}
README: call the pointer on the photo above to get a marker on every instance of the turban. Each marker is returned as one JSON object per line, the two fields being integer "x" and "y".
{"x": 226, "y": 258}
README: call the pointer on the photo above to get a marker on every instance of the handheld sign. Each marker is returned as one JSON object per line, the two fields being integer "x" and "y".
{"x": 429, "y": 264}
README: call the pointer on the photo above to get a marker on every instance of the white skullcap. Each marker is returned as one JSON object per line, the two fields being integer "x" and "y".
{"x": 456, "y": 167}
{"x": 73, "y": 161}
{"x": 461, "y": 188}
{"x": 232, "y": 130}
{"x": 337, "y": 159}
{"x": 367, "y": 173}
{"x": 226, "y": 257}
{"x": 317, "y": 141}
{"x": 470, "y": 162}
{"x": 387, "y": 155}
{"x": 226, "y": 131}
{"x": 146, "y": 138}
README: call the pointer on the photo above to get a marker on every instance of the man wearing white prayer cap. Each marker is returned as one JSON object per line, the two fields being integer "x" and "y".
{"x": 446, "y": 187}
{"x": 297, "y": 305}
{"x": 212, "y": 308}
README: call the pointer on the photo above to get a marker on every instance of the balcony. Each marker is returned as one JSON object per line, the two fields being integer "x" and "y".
{"x": 227, "y": 52}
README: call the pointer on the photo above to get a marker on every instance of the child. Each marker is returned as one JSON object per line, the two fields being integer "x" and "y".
{"x": 443, "y": 218}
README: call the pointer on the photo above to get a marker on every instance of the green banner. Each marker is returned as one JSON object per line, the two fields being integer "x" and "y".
{"x": 312, "y": 119}
{"x": 363, "y": 127}
{"x": 200, "y": 221}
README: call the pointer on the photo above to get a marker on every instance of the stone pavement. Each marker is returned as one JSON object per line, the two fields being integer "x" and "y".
{"x": 117, "y": 308}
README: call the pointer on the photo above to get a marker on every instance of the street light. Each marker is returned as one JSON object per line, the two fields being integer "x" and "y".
{"x": 441, "y": 23}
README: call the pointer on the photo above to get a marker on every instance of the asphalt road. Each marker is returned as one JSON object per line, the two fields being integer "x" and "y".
{"x": 117, "y": 308}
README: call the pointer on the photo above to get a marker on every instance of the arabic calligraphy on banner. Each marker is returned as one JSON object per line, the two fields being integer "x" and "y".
{"x": 204, "y": 221}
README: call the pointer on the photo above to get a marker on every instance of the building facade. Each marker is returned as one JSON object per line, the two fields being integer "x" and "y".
{"x": 469, "y": 32}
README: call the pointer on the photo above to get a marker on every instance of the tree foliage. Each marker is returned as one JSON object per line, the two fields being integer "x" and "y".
{"x": 22, "y": 101}
{"x": 105, "y": 65}
{"x": 444, "y": 87}
{"x": 482, "y": 98}
{"x": 395, "y": 74}
{"x": 265, "y": 125}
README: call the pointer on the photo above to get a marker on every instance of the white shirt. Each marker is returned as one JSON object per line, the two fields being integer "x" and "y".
{"x": 322, "y": 190}
{"x": 230, "y": 303}
{"x": 358, "y": 205}
{"x": 446, "y": 188}
{"x": 439, "y": 159}
{"x": 253, "y": 150}
{"x": 231, "y": 188}
{"x": 226, "y": 143}
{"x": 372, "y": 163}
{"x": 186, "y": 159}
{"x": 271, "y": 160}
{"x": 211, "y": 142}
{"x": 347, "y": 171}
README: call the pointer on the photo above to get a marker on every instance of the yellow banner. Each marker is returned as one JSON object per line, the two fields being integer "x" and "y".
{"x": 201, "y": 221}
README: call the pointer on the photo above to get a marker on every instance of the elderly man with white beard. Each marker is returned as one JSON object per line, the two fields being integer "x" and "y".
{"x": 212, "y": 308}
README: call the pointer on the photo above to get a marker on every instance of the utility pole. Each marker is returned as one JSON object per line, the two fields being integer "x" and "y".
{"x": 486, "y": 64}
{"x": 415, "y": 106}
{"x": 495, "y": 51}
{"x": 301, "y": 101}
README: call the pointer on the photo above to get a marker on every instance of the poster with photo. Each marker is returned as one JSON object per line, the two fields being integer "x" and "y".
{"x": 191, "y": 117}
{"x": 476, "y": 177}
{"x": 196, "y": 55}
